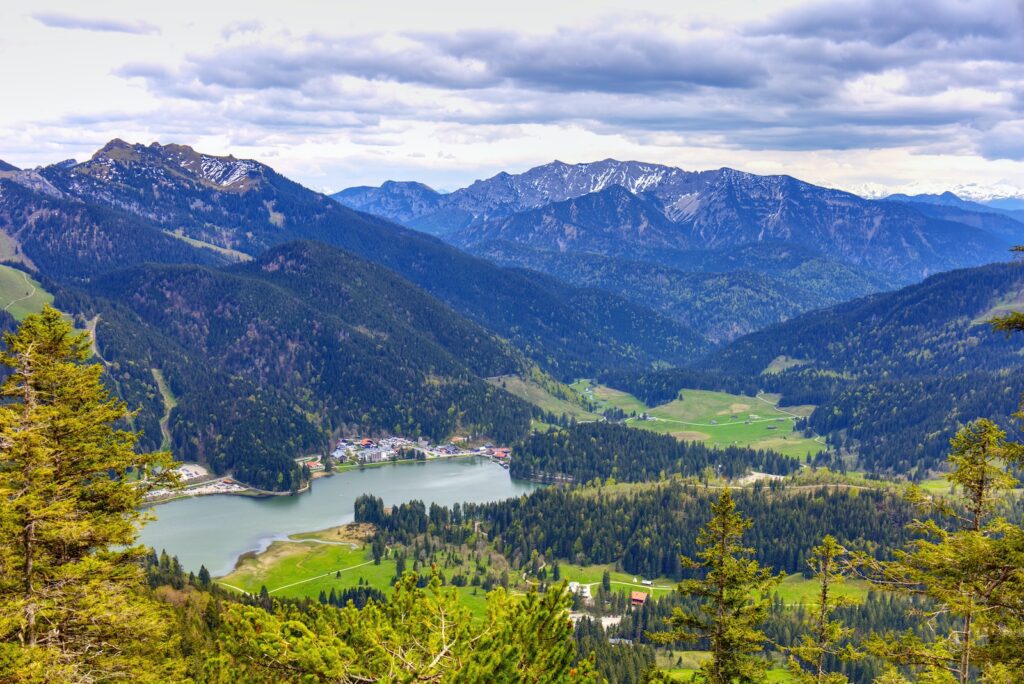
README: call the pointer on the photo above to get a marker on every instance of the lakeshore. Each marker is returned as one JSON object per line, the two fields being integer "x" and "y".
{"x": 215, "y": 530}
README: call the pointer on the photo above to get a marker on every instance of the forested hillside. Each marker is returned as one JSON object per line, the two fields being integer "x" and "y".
{"x": 583, "y": 452}
{"x": 268, "y": 359}
{"x": 721, "y": 296}
{"x": 126, "y": 204}
{"x": 893, "y": 375}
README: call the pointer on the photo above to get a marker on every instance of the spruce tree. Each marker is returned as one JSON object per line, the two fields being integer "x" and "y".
{"x": 969, "y": 567}
{"x": 825, "y": 636}
{"x": 72, "y": 603}
{"x": 732, "y": 598}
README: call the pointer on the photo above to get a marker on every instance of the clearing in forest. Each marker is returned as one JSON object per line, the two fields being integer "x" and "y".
{"x": 718, "y": 419}
{"x": 20, "y": 294}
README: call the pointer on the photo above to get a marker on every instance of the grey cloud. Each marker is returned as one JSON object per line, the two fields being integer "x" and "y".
{"x": 1004, "y": 141}
{"x": 68, "y": 21}
{"x": 883, "y": 22}
{"x": 567, "y": 60}
{"x": 789, "y": 83}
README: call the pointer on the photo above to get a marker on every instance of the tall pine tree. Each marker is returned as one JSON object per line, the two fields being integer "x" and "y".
{"x": 72, "y": 605}
{"x": 732, "y": 597}
{"x": 825, "y": 636}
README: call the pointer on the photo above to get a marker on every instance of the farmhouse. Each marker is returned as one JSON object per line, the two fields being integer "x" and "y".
{"x": 637, "y": 598}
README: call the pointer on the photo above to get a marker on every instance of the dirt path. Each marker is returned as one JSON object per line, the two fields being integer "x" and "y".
{"x": 326, "y": 574}
{"x": 232, "y": 586}
{"x": 90, "y": 327}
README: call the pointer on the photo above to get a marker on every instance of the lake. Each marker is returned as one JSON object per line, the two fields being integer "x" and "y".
{"x": 215, "y": 530}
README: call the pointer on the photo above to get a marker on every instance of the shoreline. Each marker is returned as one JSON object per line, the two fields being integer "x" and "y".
{"x": 254, "y": 493}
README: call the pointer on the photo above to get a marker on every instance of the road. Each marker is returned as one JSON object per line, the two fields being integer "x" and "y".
{"x": 816, "y": 438}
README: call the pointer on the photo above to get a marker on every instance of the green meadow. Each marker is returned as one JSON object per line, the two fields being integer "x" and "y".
{"x": 716, "y": 418}
{"x": 20, "y": 294}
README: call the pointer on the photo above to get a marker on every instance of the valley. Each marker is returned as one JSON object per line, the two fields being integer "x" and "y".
{"x": 512, "y": 343}
{"x": 639, "y": 340}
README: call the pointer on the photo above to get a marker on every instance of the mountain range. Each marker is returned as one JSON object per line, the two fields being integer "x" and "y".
{"x": 580, "y": 207}
{"x": 250, "y": 318}
{"x": 997, "y": 217}
{"x": 609, "y": 224}
{"x": 134, "y": 204}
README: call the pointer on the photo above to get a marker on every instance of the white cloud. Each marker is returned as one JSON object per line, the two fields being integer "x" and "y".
{"x": 333, "y": 95}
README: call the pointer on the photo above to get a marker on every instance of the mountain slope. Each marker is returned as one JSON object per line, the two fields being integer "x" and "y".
{"x": 70, "y": 240}
{"x": 267, "y": 359}
{"x": 894, "y": 374}
{"x": 612, "y": 221}
{"x": 242, "y": 205}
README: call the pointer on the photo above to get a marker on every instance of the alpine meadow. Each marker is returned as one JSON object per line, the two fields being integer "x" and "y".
{"x": 605, "y": 342}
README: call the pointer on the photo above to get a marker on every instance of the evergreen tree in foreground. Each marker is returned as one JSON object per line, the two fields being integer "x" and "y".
{"x": 419, "y": 634}
{"x": 825, "y": 636}
{"x": 733, "y": 597}
{"x": 971, "y": 569}
{"x": 72, "y": 602}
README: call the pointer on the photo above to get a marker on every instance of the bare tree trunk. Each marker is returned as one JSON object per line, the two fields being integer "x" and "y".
{"x": 28, "y": 537}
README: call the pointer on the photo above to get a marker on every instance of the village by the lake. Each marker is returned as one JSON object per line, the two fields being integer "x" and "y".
{"x": 348, "y": 454}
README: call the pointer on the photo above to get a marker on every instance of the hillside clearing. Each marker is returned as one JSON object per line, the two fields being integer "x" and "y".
{"x": 720, "y": 419}
{"x": 21, "y": 295}
{"x": 232, "y": 254}
{"x": 532, "y": 392}
{"x": 170, "y": 402}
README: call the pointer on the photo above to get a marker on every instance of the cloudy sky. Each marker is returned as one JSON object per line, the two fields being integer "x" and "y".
{"x": 874, "y": 94}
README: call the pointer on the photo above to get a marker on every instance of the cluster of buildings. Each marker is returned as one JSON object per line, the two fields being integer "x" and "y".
{"x": 500, "y": 455}
{"x": 636, "y": 598}
{"x": 366, "y": 450}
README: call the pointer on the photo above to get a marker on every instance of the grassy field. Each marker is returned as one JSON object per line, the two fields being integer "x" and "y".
{"x": 781, "y": 363}
{"x": 606, "y": 397}
{"x": 936, "y": 485}
{"x": 308, "y": 563}
{"x": 682, "y": 665}
{"x": 715, "y": 418}
{"x": 620, "y": 581}
{"x": 20, "y": 295}
{"x": 1009, "y": 303}
{"x": 798, "y": 590}
{"x": 795, "y": 589}
{"x": 530, "y": 391}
